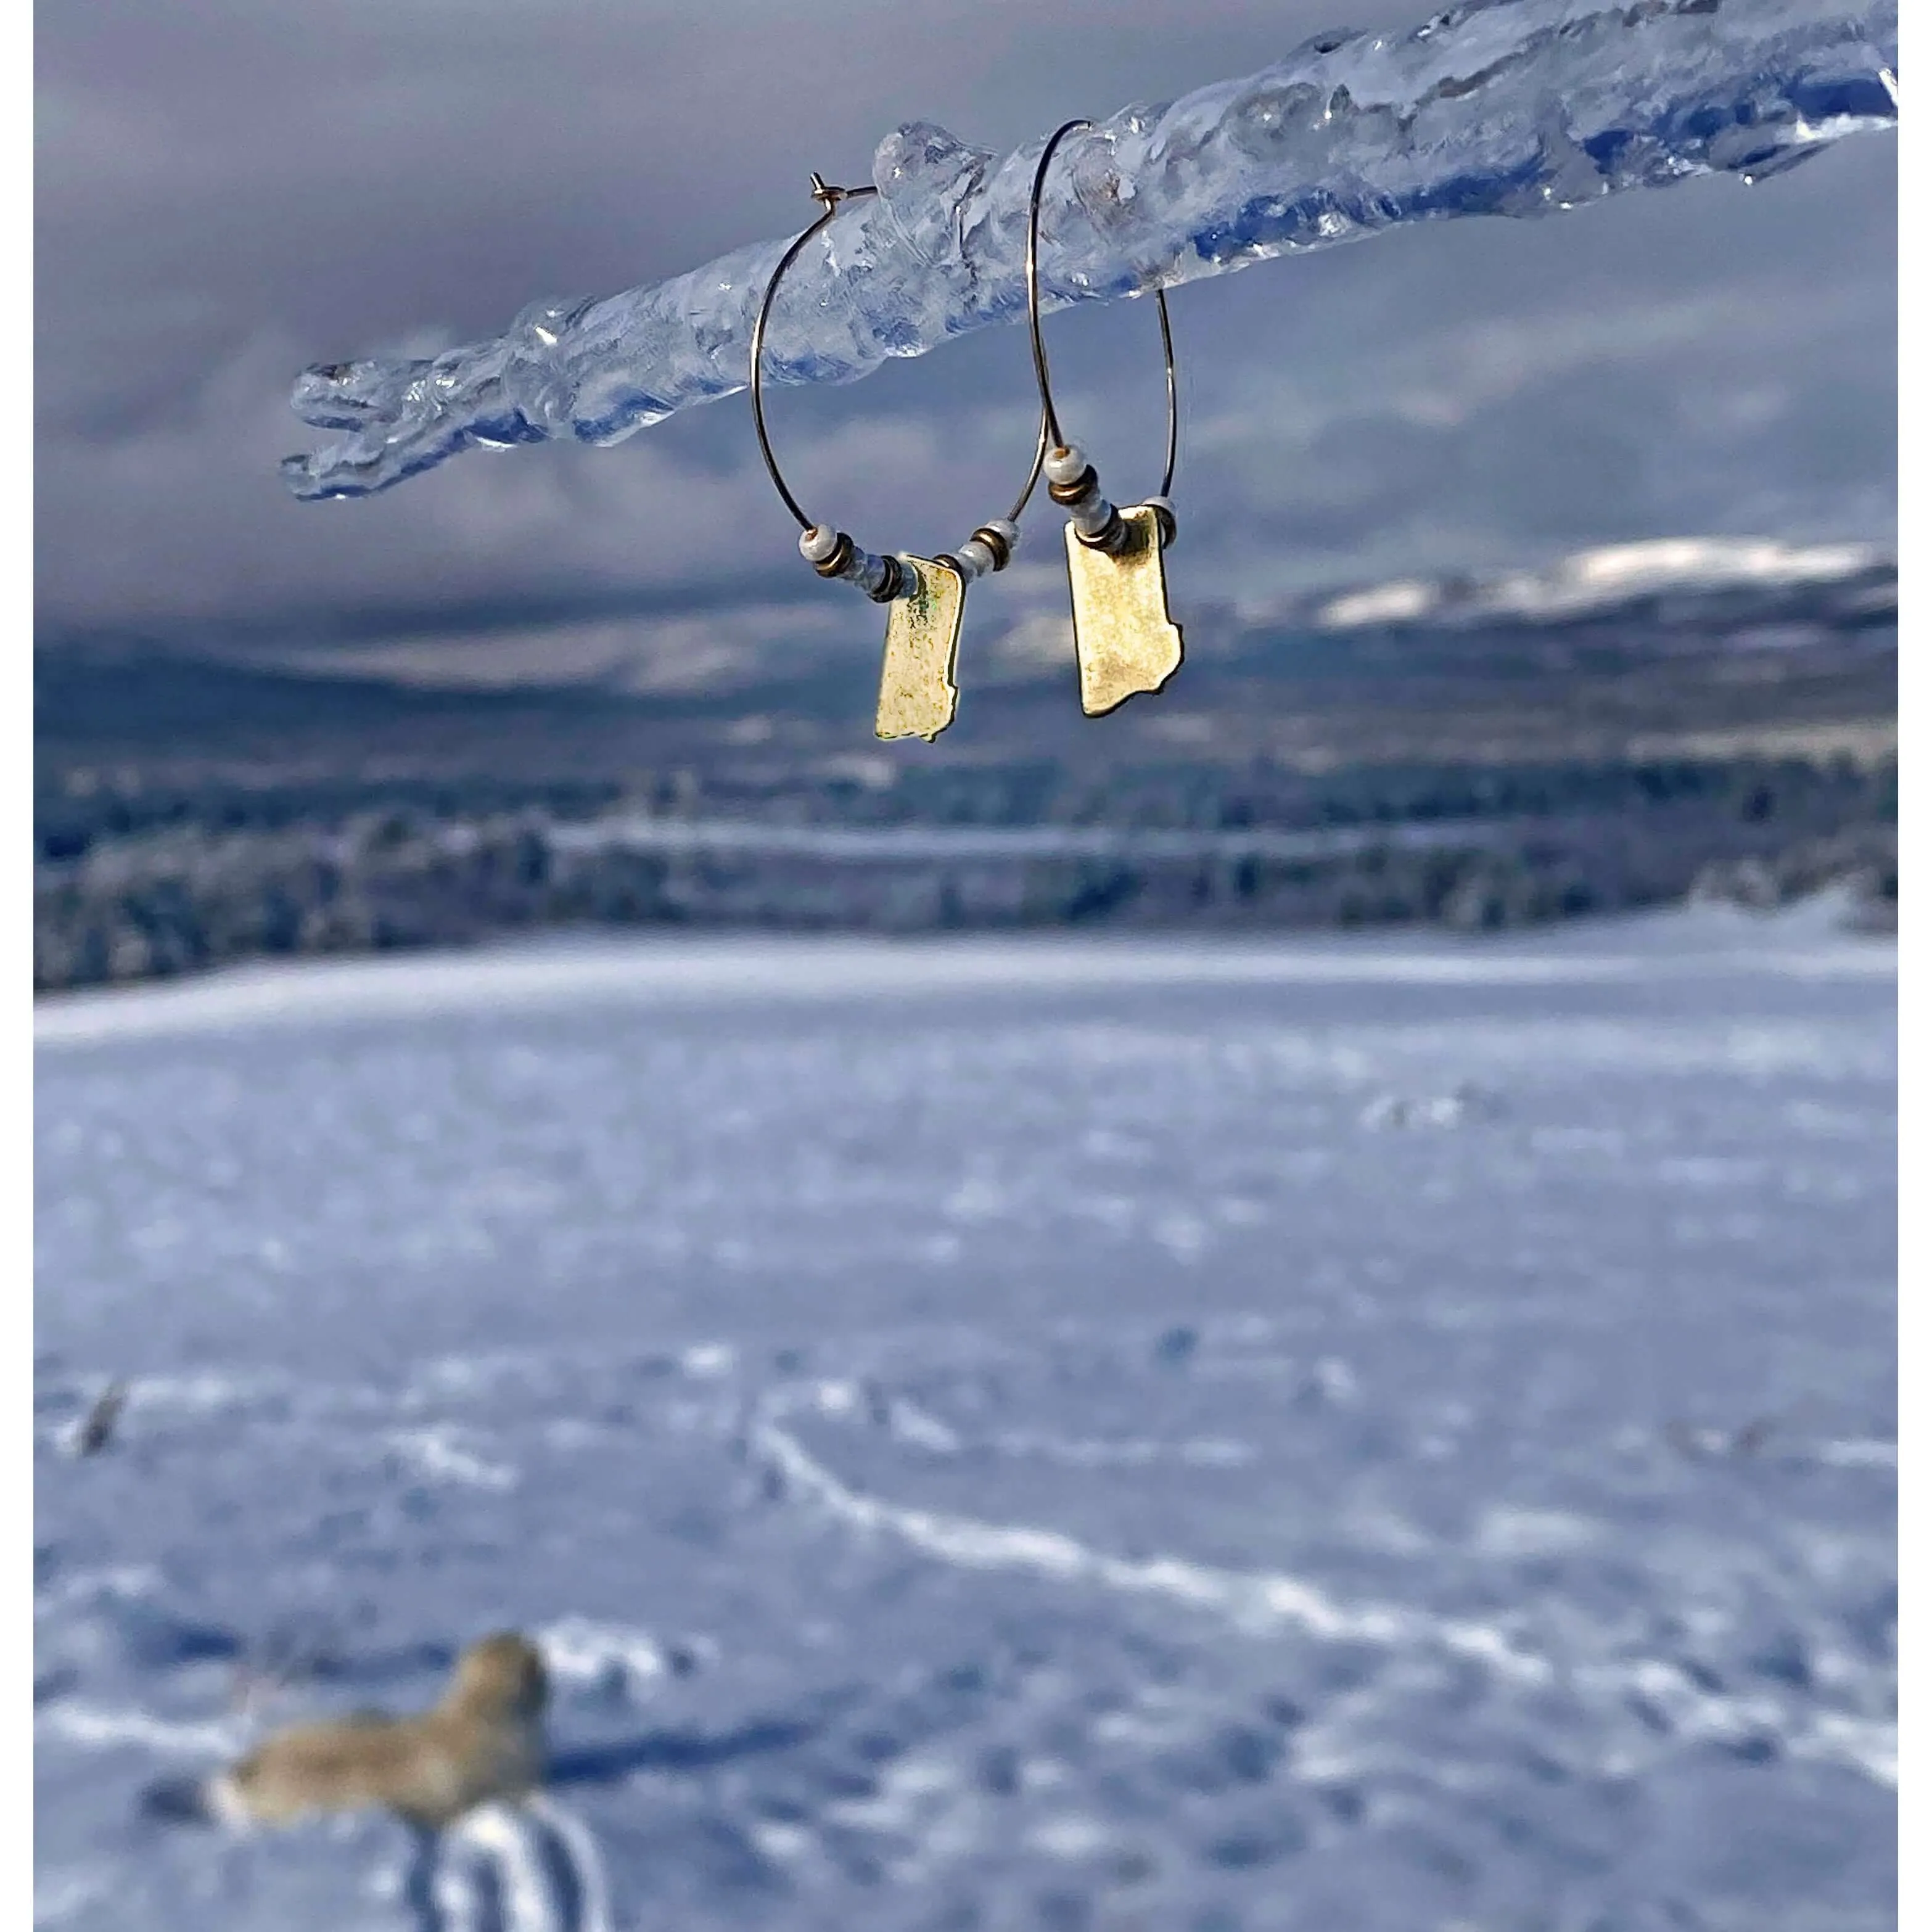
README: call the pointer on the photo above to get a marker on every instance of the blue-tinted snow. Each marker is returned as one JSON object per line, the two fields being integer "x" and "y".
{"x": 1330, "y": 1434}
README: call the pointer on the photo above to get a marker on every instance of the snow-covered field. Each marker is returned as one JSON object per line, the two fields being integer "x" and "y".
{"x": 1389, "y": 1434}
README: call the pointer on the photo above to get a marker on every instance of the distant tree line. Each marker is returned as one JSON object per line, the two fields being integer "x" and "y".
{"x": 76, "y": 812}
{"x": 137, "y": 884}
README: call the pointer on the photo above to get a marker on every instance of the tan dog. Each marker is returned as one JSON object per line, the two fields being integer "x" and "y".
{"x": 483, "y": 1741}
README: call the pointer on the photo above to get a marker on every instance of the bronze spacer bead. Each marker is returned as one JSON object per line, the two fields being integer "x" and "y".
{"x": 835, "y": 565}
{"x": 1002, "y": 551}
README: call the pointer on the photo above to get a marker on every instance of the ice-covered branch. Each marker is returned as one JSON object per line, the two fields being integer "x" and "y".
{"x": 1500, "y": 107}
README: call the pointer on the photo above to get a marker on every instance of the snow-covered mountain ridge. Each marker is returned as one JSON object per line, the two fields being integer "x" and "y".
{"x": 1663, "y": 578}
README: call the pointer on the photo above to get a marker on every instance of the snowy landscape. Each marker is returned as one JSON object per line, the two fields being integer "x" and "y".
{"x": 1386, "y": 1434}
{"x": 1273, "y": 1312}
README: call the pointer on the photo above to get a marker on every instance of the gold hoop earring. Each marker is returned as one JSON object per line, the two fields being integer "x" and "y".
{"x": 918, "y": 695}
{"x": 1123, "y": 638}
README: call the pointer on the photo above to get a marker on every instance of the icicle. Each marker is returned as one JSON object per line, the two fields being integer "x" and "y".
{"x": 1513, "y": 107}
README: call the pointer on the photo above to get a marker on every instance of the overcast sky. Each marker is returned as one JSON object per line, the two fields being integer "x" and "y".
{"x": 228, "y": 190}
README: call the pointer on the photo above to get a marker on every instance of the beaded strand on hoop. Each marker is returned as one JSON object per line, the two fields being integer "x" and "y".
{"x": 917, "y": 695}
{"x": 1124, "y": 641}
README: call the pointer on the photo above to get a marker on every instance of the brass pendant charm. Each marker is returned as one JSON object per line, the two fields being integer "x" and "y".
{"x": 917, "y": 698}
{"x": 1124, "y": 639}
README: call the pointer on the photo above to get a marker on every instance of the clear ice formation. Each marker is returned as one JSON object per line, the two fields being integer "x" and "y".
{"x": 1515, "y": 107}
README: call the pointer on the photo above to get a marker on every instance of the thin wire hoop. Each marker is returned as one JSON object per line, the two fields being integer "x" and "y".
{"x": 832, "y": 199}
{"x": 1050, "y": 416}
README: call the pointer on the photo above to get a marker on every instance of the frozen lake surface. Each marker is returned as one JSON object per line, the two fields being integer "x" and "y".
{"x": 1330, "y": 1434}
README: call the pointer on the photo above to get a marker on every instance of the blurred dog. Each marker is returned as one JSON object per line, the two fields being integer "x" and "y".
{"x": 483, "y": 1741}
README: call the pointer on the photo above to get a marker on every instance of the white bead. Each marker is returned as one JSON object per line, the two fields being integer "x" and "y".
{"x": 818, "y": 543}
{"x": 1066, "y": 465}
{"x": 1090, "y": 518}
{"x": 1007, "y": 528}
{"x": 976, "y": 560}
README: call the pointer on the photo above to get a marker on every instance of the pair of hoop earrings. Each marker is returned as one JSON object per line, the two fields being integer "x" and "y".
{"x": 1124, "y": 640}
